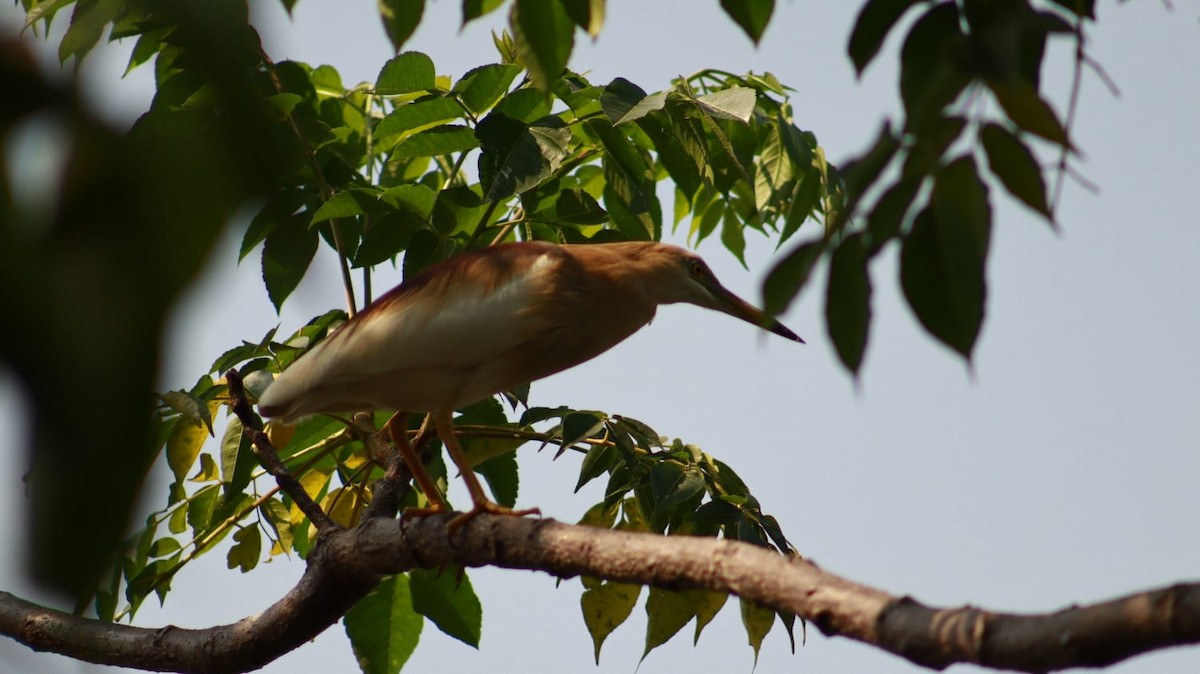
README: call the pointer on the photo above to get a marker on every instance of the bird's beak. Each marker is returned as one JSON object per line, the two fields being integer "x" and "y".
{"x": 737, "y": 307}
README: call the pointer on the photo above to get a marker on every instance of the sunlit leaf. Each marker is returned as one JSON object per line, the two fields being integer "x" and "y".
{"x": 735, "y": 103}
{"x": 183, "y": 446}
{"x": 246, "y": 550}
{"x": 623, "y": 101}
{"x": 412, "y": 118}
{"x": 757, "y": 621}
{"x": 708, "y": 605}
{"x": 481, "y": 88}
{"x": 383, "y": 627}
{"x": 667, "y": 611}
{"x": 437, "y": 141}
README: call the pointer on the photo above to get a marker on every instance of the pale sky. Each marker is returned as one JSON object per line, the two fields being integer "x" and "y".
{"x": 1065, "y": 468}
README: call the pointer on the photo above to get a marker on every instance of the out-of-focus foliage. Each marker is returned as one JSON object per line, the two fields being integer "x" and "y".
{"x": 417, "y": 166}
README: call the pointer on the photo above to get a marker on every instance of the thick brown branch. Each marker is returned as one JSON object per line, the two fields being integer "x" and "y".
{"x": 346, "y": 564}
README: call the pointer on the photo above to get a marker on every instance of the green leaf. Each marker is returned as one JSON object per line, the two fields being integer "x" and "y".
{"x": 736, "y": 103}
{"x": 437, "y": 141}
{"x": 246, "y": 549}
{"x": 400, "y": 19}
{"x": 848, "y": 301}
{"x": 707, "y": 607}
{"x": 667, "y": 612}
{"x": 418, "y": 116}
{"x": 524, "y": 105}
{"x": 237, "y": 458}
{"x": 587, "y": 14}
{"x": 163, "y": 547}
{"x": 605, "y": 608}
{"x": 887, "y": 217}
{"x": 578, "y": 426}
{"x": 545, "y": 35}
{"x": 623, "y": 101}
{"x": 598, "y": 460}
{"x": 860, "y": 173}
{"x": 789, "y": 276}
{"x": 200, "y": 509}
{"x": 387, "y": 237}
{"x": 517, "y": 157}
{"x": 383, "y": 628}
{"x": 207, "y": 471}
{"x": 446, "y": 597}
{"x": 757, "y": 621}
{"x": 500, "y": 473}
{"x": 1029, "y": 111}
{"x": 276, "y": 515}
{"x": 183, "y": 446}
{"x": 752, "y": 15}
{"x": 732, "y": 236}
{"x": 189, "y": 406}
{"x": 931, "y": 64}
{"x": 942, "y": 261}
{"x": 1016, "y": 167}
{"x": 577, "y": 207}
{"x": 774, "y": 170}
{"x": 473, "y": 9}
{"x": 480, "y": 88}
{"x": 285, "y": 259}
{"x": 87, "y": 24}
{"x": 405, "y": 73}
{"x": 875, "y": 21}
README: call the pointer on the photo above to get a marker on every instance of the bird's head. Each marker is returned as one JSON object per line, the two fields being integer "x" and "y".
{"x": 688, "y": 279}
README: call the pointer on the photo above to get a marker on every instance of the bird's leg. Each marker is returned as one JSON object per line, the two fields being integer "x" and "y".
{"x": 398, "y": 429}
{"x": 445, "y": 429}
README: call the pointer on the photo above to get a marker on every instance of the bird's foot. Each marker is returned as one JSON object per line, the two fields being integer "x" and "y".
{"x": 490, "y": 508}
{"x": 436, "y": 509}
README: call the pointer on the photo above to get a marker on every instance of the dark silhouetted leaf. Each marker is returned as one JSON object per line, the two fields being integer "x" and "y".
{"x": 787, "y": 278}
{"x": 848, "y": 301}
{"x": 942, "y": 262}
{"x": 587, "y": 14}
{"x": 473, "y": 9}
{"x": 517, "y": 157}
{"x": 1029, "y": 111}
{"x": 1015, "y": 166}
{"x": 887, "y": 217}
{"x": 861, "y": 172}
{"x": 500, "y": 473}
{"x": 931, "y": 63}
{"x": 578, "y": 207}
{"x": 875, "y": 21}
{"x": 285, "y": 259}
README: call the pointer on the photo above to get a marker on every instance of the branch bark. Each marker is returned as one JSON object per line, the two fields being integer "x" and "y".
{"x": 346, "y": 564}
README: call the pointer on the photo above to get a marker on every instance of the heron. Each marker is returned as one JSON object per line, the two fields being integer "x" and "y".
{"x": 487, "y": 321}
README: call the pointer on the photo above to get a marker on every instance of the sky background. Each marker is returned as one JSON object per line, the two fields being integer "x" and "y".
{"x": 1063, "y": 467}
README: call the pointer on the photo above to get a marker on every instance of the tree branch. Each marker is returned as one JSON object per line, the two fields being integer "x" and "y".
{"x": 346, "y": 564}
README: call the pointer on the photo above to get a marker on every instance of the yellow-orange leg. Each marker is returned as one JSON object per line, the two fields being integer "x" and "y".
{"x": 398, "y": 428}
{"x": 445, "y": 430}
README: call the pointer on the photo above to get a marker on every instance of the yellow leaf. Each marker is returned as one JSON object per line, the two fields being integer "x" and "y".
{"x": 183, "y": 446}
{"x": 757, "y": 621}
{"x": 605, "y": 608}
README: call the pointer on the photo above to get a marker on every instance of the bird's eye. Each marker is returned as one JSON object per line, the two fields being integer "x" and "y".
{"x": 698, "y": 270}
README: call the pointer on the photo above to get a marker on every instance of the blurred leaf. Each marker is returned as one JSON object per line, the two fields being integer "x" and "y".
{"x": 87, "y": 24}
{"x": 189, "y": 407}
{"x": 875, "y": 21}
{"x": 887, "y": 217}
{"x": 860, "y": 173}
{"x": 789, "y": 276}
{"x": 757, "y": 621}
{"x": 207, "y": 471}
{"x": 400, "y": 19}
{"x": 1016, "y": 167}
{"x": 942, "y": 262}
{"x": 383, "y": 627}
{"x": 246, "y": 550}
{"x": 473, "y": 9}
{"x": 667, "y": 612}
{"x": 848, "y": 301}
{"x": 752, "y": 15}
{"x": 587, "y": 14}
{"x": 446, "y": 597}
{"x": 164, "y": 546}
{"x": 544, "y": 35}
{"x": 931, "y": 63}
{"x": 1029, "y": 111}
{"x": 576, "y": 206}
{"x": 407, "y": 72}
{"x": 732, "y": 236}
{"x": 605, "y": 608}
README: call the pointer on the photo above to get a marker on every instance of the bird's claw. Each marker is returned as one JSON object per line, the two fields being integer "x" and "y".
{"x": 490, "y": 508}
